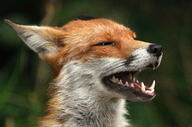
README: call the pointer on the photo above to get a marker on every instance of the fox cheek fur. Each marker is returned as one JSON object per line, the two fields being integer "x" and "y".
{"x": 94, "y": 61}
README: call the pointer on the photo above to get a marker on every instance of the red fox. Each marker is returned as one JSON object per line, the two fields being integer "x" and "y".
{"x": 95, "y": 61}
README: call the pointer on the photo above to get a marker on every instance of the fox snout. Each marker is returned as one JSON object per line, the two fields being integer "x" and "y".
{"x": 155, "y": 49}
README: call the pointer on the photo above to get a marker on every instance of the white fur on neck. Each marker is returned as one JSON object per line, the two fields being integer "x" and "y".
{"x": 85, "y": 102}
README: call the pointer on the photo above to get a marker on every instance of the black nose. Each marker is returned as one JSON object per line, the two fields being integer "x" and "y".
{"x": 154, "y": 49}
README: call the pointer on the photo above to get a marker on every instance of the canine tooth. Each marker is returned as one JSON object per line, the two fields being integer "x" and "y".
{"x": 137, "y": 81}
{"x": 127, "y": 84}
{"x": 152, "y": 86}
{"x": 142, "y": 86}
{"x": 132, "y": 85}
{"x": 120, "y": 82}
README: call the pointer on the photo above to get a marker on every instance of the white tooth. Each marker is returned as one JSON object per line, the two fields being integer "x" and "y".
{"x": 131, "y": 76}
{"x": 142, "y": 86}
{"x": 152, "y": 90}
{"x": 152, "y": 86}
{"x": 137, "y": 81}
{"x": 120, "y": 82}
{"x": 132, "y": 85}
{"x": 149, "y": 91}
{"x": 127, "y": 84}
{"x": 153, "y": 66}
{"x": 134, "y": 79}
{"x": 113, "y": 79}
{"x": 116, "y": 80}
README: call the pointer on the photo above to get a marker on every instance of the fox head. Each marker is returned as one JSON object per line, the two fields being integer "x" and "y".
{"x": 97, "y": 51}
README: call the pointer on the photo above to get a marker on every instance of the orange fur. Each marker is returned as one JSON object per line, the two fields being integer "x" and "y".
{"x": 79, "y": 38}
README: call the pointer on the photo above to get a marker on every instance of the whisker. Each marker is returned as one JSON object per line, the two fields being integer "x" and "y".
{"x": 119, "y": 64}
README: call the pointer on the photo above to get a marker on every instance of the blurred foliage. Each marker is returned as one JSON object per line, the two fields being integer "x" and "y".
{"x": 24, "y": 78}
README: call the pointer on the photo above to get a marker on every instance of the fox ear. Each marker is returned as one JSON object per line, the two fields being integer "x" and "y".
{"x": 41, "y": 39}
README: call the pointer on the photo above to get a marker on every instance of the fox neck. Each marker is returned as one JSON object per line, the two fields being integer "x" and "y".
{"x": 77, "y": 102}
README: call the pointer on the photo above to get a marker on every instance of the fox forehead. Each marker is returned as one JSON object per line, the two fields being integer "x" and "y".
{"x": 96, "y": 28}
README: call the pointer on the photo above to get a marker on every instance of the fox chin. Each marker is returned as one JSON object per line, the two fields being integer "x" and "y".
{"x": 95, "y": 61}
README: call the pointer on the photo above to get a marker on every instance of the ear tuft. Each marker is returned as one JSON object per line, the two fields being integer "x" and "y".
{"x": 7, "y": 21}
{"x": 40, "y": 39}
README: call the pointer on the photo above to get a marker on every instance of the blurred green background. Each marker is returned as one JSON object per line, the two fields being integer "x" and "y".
{"x": 24, "y": 78}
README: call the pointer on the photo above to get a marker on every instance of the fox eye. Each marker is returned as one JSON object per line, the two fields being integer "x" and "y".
{"x": 105, "y": 43}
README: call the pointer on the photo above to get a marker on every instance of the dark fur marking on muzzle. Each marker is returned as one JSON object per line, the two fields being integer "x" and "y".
{"x": 129, "y": 60}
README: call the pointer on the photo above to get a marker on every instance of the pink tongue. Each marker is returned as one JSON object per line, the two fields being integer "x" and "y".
{"x": 137, "y": 84}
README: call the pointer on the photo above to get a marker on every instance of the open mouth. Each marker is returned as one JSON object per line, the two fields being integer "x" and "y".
{"x": 127, "y": 84}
